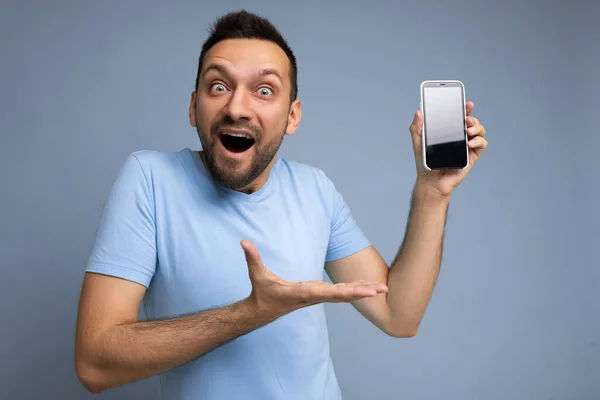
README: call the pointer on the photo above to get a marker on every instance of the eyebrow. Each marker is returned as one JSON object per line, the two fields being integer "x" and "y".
{"x": 215, "y": 67}
{"x": 262, "y": 72}
{"x": 270, "y": 71}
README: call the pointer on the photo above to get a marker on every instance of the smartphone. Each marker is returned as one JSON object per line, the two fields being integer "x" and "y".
{"x": 444, "y": 139}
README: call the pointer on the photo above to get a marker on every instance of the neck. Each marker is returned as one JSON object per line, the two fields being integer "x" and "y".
{"x": 257, "y": 184}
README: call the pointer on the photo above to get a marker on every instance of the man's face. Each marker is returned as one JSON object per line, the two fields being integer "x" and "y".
{"x": 242, "y": 110}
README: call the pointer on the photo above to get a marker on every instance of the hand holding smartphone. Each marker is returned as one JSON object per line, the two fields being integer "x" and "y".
{"x": 444, "y": 139}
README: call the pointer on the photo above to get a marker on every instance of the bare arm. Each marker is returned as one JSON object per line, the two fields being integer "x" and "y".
{"x": 414, "y": 273}
{"x": 112, "y": 348}
{"x": 412, "y": 276}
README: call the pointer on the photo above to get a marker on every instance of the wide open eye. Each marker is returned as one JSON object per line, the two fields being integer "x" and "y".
{"x": 265, "y": 91}
{"x": 218, "y": 87}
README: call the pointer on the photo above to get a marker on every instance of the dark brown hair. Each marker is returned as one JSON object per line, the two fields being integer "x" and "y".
{"x": 245, "y": 25}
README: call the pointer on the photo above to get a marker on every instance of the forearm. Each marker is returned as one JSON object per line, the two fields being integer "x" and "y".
{"x": 134, "y": 351}
{"x": 414, "y": 273}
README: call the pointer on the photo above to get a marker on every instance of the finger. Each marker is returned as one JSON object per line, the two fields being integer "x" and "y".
{"x": 346, "y": 293}
{"x": 378, "y": 286}
{"x": 312, "y": 292}
{"x": 368, "y": 290}
{"x": 251, "y": 253}
{"x": 416, "y": 131}
{"x": 357, "y": 283}
{"x": 469, "y": 107}
{"x": 478, "y": 143}
{"x": 471, "y": 120}
{"x": 358, "y": 291}
{"x": 476, "y": 130}
{"x": 416, "y": 127}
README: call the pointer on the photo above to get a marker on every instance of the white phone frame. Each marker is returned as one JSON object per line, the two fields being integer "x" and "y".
{"x": 464, "y": 106}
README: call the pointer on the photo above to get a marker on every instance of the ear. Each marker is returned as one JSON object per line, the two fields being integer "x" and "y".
{"x": 294, "y": 117}
{"x": 193, "y": 109}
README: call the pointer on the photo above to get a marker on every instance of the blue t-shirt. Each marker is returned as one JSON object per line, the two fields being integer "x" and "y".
{"x": 169, "y": 227}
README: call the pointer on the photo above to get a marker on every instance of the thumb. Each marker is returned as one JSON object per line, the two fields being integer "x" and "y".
{"x": 252, "y": 257}
{"x": 416, "y": 130}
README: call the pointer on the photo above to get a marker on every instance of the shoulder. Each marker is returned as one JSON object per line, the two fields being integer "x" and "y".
{"x": 308, "y": 182}
{"x": 157, "y": 164}
{"x": 150, "y": 170}
{"x": 157, "y": 159}
{"x": 305, "y": 174}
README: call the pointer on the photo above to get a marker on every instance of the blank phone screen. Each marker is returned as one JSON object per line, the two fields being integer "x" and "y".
{"x": 444, "y": 130}
{"x": 443, "y": 115}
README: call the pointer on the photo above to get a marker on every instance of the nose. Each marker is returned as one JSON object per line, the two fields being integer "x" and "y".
{"x": 238, "y": 106}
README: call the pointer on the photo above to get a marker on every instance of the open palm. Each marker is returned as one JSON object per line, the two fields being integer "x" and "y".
{"x": 275, "y": 295}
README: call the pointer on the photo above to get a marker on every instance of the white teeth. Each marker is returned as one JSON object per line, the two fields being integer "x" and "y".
{"x": 237, "y": 134}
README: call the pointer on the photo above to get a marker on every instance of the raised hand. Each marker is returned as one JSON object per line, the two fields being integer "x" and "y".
{"x": 443, "y": 182}
{"x": 276, "y": 296}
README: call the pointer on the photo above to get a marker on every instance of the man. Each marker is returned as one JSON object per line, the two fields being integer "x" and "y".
{"x": 224, "y": 249}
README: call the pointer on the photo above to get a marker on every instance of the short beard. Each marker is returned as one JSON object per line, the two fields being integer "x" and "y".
{"x": 265, "y": 153}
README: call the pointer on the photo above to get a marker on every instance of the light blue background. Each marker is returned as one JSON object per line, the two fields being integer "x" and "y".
{"x": 516, "y": 311}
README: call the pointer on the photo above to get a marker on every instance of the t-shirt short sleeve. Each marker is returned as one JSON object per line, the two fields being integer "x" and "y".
{"x": 346, "y": 237}
{"x": 125, "y": 245}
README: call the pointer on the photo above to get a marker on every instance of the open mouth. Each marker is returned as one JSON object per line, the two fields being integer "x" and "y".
{"x": 236, "y": 142}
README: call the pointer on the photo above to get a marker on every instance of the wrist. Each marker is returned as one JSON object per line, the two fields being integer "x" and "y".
{"x": 424, "y": 193}
{"x": 258, "y": 311}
